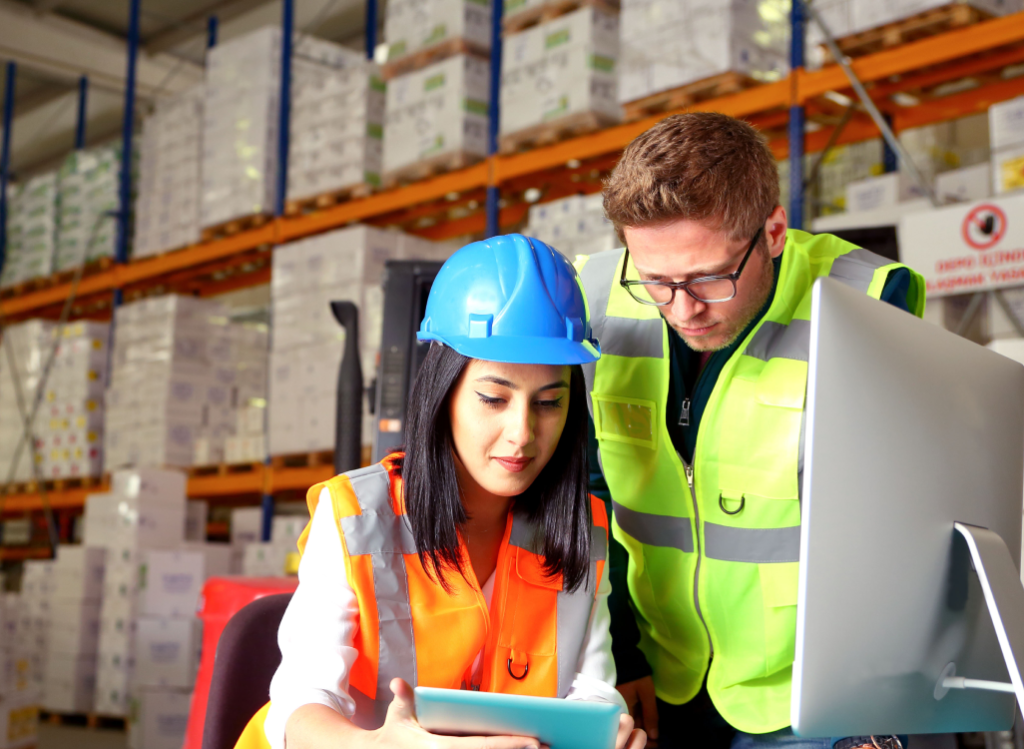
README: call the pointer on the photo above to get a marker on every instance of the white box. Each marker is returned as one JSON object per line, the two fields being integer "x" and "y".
{"x": 246, "y": 525}
{"x": 70, "y": 683}
{"x": 19, "y": 721}
{"x": 75, "y": 627}
{"x": 264, "y": 560}
{"x": 286, "y": 530}
{"x": 78, "y": 573}
{"x": 964, "y": 185}
{"x": 167, "y": 652}
{"x": 877, "y": 192}
{"x": 170, "y": 582}
{"x": 158, "y": 718}
{"x": 412, "y": 25}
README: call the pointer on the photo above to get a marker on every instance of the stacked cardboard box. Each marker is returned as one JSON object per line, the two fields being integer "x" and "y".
{"x": 86, "y": 223}
{"x": 437, "y": 112}
{"x": 561, "y": 68}
{"x": 167, "y": 209}
{"x": 337, "y": 122}
{"x": 1006, "y": 128}
{"x": 34, "y": 627}
{"x": 240, "y": 122}
{"x": 144, "y": 510}
{"x": 70, "y": 684}
{"x": 671, "y": 43}
{"x": 70, "y": 432}
{"x": 167, "y": 384}
{"x": 308, "y": 342}
{"x": 574, "y": 226}
{"x": 19, "y": 697}
{"x": 278, "y": 556}
{"x": 414, "y": 25}
{"x": 31, "y": 229}
{"x": 30, "y": 341}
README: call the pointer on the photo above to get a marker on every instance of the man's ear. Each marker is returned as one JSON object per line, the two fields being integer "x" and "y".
{"x": 775, "y": 231}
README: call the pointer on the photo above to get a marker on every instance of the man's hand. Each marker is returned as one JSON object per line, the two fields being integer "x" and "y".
{"x": 640, "y": 700}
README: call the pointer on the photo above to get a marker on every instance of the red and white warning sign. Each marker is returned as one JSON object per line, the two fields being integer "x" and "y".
{"x": 967, "y": 247}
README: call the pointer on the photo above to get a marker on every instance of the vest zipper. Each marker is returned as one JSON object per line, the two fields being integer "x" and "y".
{"x": 696, "y": 577}
{"x": 684, "y": 413}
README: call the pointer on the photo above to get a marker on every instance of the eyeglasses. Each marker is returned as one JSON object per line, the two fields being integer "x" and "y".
{"x": 708, "y": 289}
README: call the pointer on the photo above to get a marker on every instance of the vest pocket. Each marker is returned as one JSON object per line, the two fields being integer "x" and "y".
{"x": 779, "y": 584}
{"x": 629, "y": 420}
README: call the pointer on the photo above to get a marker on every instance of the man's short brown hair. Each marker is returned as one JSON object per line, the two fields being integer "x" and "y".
{"x": 698, "y": 166}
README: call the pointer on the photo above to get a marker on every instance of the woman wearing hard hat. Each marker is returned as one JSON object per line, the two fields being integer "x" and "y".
{"x": 475, "y": 559}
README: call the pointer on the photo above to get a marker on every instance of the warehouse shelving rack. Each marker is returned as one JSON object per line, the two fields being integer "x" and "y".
{"x": 981, "y": 61}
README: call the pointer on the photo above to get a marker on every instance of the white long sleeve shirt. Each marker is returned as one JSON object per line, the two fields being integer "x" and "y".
{"x": 318, "y": 629}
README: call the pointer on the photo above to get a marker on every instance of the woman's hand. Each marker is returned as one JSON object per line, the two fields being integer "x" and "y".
{"x": 629, "y": 737}
{"x": 402, "y": 731}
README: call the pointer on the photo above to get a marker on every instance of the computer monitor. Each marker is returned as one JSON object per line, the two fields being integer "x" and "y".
{"x": 909, "y": 430}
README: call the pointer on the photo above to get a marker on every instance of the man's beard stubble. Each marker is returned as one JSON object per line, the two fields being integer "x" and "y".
{"x": 745, "y": 315}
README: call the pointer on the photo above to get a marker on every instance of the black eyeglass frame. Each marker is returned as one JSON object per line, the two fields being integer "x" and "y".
{"x": 685, "y": 285}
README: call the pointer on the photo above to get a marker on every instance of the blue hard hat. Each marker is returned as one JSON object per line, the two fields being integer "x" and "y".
{"x": 510, "y": 299}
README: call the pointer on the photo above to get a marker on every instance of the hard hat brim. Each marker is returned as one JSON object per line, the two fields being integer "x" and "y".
{"x": 520, "y": 350}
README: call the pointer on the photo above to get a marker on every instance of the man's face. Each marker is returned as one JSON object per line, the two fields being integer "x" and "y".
{"x": 685, "y": 250}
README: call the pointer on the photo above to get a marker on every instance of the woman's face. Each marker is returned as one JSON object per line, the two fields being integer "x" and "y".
{"x": 506, "y": 422}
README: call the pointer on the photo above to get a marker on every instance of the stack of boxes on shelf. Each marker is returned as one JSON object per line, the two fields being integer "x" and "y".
{"x": 279, "y": 555}
{"x": 87, "y": 205}
{"x": 30, "y": 342}
{"x": 337, "y": 121}
{"x": 240, "y": 123}
{"x": 70, "y": 432}
{"x": 561, "y": 73}
{"x": 31, "y": 229}
{"x": 77, "y": 592}
{"x": 671, "y": 43}
{"x": 308, "y": 343}
{"x": 574, "y": 226}
{"x": 19, "y": 705}
{"x": 1006, "y": 129}
{"x": 436, "y": 115}
{"x": 167, "y": 209}
{"x": 34, "y": 627}
{"x": 179, "y": 372}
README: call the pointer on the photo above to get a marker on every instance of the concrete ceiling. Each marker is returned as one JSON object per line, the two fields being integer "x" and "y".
{"x": 54, "y": 42}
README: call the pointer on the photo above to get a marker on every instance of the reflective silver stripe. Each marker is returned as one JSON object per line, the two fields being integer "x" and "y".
{"x": 753, "y": 545}
{"x": 573, "y": 619}
{"x": 598, "y": 544}
{"x": 774, "y": 339}
{"x": 626, "y": 336}
{"x": 385, "y": 537}
{"x": 598, "y": 275}
{"x": 857, "y": 268}
{"x": 526, "y": 534}
{"x": 655, "y": 530}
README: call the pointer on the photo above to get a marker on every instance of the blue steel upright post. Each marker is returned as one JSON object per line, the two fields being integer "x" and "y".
{"x": 127, "y": 131}
{"x": 211, "y": 32}
{"x": 83, "y": 102}
{"x": 494, "y": 117}
{"x": 797, "y": 117}
{"x": 283, "y": 131}
{"x": 5, "y": 154}
{"x": 371, "y": 28}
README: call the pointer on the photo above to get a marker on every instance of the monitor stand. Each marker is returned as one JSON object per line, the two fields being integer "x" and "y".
{"x": 1004, "y": 597}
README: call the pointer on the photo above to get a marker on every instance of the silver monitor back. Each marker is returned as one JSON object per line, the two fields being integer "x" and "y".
{"x": 910, "y": 428}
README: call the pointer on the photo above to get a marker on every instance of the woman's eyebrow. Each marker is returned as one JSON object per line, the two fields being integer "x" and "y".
{"x": 554, "y": 386}
{"x": 498, "y": 381}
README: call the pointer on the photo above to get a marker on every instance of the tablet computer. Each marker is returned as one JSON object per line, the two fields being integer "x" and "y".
{"x": 561, "y": 724}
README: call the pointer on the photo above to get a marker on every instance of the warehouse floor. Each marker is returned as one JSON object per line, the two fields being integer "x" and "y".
{"x": 66, "y": 737}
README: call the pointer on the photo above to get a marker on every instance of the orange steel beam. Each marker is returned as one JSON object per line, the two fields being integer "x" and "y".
{"x": 958, "y": 105}
{"x": 858, "y": 129}
{"x": 66, "y": 499}
{"x": 298, "y": 479}
{"x": 963, "y": 69}
{"x": 474, "y": 224}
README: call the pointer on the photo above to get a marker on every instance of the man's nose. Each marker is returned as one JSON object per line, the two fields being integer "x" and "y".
{"x": 685, "y": 307}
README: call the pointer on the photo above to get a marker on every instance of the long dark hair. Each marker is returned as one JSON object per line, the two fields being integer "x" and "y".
{"x": 558, "y": 500}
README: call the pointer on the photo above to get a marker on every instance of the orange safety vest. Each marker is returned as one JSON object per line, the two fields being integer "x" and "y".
{"x": 409, "y": 627}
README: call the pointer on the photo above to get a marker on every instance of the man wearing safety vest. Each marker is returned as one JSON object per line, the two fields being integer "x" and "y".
{"x": 697, "y": 408}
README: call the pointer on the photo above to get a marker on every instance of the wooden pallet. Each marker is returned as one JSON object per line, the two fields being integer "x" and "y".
{"x": 921, "y": 25}
{"x": 91, "y": 268}
{"x": 550, "y": 10}
{"x": 546, "y": 133}
{"x": 303, "y": 460}
{"x": 25, "y": 287}
{"x": 328, "y": 199}
{"x": 235, "y": 226}
{"x": 680, "y": 97}
{"x": 89, "y": 720}
{"x": 225, "y": 469}
{"x": 429, "y": 55}
{"x": 435, "y": 165}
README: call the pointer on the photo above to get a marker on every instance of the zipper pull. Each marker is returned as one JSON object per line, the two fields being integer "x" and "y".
{"x": 684, "y": 413}
{"x": 689, "y": 475}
